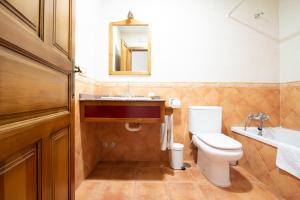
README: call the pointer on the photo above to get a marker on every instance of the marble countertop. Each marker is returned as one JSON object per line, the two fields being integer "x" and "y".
{"x": 88, "y": 97}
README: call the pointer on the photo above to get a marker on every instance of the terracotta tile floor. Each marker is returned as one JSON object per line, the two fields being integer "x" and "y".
{"x": 156, "y": 181}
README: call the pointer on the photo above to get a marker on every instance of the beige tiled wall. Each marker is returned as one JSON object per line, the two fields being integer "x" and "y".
{"x": 259, "y": 159}
{"x": 237, "y": 100}
{"x": 108, "y": 141}
{"x": 290, "y": 105}
{"x": 87, "y": 151}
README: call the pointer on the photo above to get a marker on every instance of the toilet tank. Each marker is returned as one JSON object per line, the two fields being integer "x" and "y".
{"x": 205, "y": 119}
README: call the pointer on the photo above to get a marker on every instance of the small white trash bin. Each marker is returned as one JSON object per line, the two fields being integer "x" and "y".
{"x": 176, "y": 156}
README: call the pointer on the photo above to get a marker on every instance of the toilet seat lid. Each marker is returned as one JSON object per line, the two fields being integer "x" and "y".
{"x": 220, "y": 141}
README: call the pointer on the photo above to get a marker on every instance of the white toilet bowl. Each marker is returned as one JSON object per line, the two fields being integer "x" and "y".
{"x": 215, "y": 150}
{"x": 214, "y": 161}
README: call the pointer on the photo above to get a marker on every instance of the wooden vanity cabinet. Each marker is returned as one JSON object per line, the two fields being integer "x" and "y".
{"x": 122, "y": 111}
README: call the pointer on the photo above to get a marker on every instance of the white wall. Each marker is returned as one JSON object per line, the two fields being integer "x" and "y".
{"x": 289, "y": 23}
{"x": 88, "y": 37}
{"x": 192, "y": 40}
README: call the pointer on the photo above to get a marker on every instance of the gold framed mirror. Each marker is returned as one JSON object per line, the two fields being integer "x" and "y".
{"x": 129, "y": 47}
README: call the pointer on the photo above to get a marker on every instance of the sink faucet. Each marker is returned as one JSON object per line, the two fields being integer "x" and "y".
{"x": 261, "y": 117}
{"x": 248, "y": 118}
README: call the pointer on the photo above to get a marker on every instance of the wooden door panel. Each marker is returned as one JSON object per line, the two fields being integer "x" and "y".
{"x": 19, "y": 176}
{"x": 16, "y": 136}
{"x": 30, "y": 15}
{"x": 18, "y": 37}
{"x": 60, "y": 164}
{"x": 61, "y": 25}
{"x": 36, "y": 102}
{"x": 26, "y": 85}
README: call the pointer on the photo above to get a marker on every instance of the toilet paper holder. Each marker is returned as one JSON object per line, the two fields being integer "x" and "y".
{"x": 174, "y": 103}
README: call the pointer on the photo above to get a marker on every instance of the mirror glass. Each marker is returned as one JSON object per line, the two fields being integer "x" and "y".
{"x": 131, "y": 52}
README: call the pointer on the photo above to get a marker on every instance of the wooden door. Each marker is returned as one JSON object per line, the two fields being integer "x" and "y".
{"x": 36, "y": 99}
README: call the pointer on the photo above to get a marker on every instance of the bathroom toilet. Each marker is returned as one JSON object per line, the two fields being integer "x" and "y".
{"x": 215, "y": 150}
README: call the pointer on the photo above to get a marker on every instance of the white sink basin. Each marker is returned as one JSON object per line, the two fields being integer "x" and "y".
{"x": 132, "y": 98}
{"x": 87, "y": 97}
